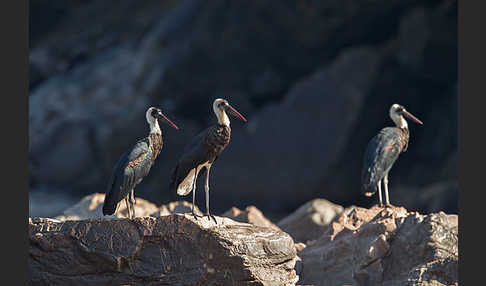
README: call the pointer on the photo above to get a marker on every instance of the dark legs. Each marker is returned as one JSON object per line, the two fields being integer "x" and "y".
{"x": 206, "y": 188}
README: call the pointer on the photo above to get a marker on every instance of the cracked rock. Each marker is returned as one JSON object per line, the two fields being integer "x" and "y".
{"x": 168, "y": 250}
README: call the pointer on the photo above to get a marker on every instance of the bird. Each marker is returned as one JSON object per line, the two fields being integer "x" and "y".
{"x": 202, "y": 152}
{"x": 134, "y": 165}
{"x": 383, "y": 150}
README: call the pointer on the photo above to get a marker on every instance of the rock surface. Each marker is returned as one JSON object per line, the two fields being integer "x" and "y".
{"x": 250, "y": 215}
{"x": 178, "y": 207}
{"x": 310, "y": 220}
{"x": 384, "y": 247}
{"x": 169, "y": 250}
{"x": 91, "y": 207}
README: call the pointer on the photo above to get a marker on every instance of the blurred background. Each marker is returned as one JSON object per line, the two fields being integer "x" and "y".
{"x": 314, "y": 78}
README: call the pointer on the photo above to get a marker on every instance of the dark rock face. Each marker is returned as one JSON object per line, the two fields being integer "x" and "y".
{"x": 169, "y": 250}
{"x": 384, "y": 247}
{"x": 315, "y": 79}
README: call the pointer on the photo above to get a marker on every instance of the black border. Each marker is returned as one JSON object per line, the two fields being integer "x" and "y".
{"x": 15, "y": 211}
{"x": 471, "y": 171}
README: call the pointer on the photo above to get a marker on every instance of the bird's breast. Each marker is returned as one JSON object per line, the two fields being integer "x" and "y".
{"x": 217, "y": 140}
{"x": 155, "y": 143}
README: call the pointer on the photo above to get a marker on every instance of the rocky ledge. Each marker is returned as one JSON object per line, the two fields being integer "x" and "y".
{"x": 168, "y": 250}
{"x": 336, "y": 246}
{"x": 385, "y": 247}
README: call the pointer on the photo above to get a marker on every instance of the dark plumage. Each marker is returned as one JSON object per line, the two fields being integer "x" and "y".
{"x": 205, "y": 147}
{"x": 201, "y": 153}
{"x": 134, "y": 165}
{"x": 382, "y": 152}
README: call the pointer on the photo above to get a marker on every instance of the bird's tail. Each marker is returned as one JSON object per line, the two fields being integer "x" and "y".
{"x": 109, "y": 204}
{"x": 368, "y": 184}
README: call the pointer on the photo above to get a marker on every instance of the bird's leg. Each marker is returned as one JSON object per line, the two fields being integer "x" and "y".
{"x": 132, "y": 197}
{"x": 117, "y": 206}
{"x": 194, "y": 194}
{"x": 379, "y": 193}
{"x": 132, "y": 202}
{"x": 206, "y": 188}
{"x": 385, "y": 185}
{"x": 127, "y": 203}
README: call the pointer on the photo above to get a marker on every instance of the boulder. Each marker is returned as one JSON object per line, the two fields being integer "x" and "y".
{"x": 310, "y": 220}
{"x": 91, "y": 207}
{"x": 178, "y": 207}
{"x": 168, "y": 250}
{"x": 384, "y": 247}
{"x": 250, "y": 215}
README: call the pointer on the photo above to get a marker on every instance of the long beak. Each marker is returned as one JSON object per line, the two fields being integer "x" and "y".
{"x": 162, "y": 116}
{"x": 409, "y": 115}
{"x": 235, "y": 113}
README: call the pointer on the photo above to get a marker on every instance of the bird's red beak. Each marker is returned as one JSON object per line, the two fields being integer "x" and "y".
{"x": 168, "y": 120}
{"x": 410, "y": 115}
{"x": 235, "y": 113}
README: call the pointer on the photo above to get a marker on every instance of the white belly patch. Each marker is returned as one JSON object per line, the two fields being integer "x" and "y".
{"x": 185, "y": 187}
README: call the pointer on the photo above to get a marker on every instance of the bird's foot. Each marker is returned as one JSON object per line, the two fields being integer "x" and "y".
{"x": 388, "y": 205}
{"x": 196, "y": 216}
{"x": 211, "y": 216}
{"x": 381, "y": 205}
{"x": 133, "y": 200}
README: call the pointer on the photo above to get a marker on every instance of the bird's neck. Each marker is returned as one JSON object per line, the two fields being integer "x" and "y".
{"x": 400, "y": 122}
{"x": 223, "y": 119}
{"x": 155, "y": 128}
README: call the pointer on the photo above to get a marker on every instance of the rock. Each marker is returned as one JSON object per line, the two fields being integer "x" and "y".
{"x": 250, "y": 215}
{"x": 310, "y": 220}
{"x": 91, "y": 207}
{"x": 168, "y": 250}
{"x": 384, "y": 247}
{"x": 179, "y": 207}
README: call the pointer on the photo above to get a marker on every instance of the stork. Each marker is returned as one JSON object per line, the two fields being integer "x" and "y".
{"x": 201, "y": 153}
{"x": 383, "y": 151}
{"x": 134, "y": 165}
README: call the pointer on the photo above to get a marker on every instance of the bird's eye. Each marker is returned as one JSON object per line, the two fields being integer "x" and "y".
{"x": 154, "y": 113}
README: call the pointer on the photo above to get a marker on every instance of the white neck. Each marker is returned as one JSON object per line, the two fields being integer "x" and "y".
{"x": 154, "y": 127}
{"x": 222, "y": 118}
{"x": 400, "y": 121}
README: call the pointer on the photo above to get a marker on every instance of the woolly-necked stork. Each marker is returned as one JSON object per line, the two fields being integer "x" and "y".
{"x": 134, "y": 165}
{"x": 201, "y": 152}
{"x": 383, "y": 151}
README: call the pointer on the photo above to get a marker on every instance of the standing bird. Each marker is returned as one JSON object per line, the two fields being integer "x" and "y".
{"x": 134, "y": 165}
{"x": 201, "y": 152}
{"x": 383, "y": 151}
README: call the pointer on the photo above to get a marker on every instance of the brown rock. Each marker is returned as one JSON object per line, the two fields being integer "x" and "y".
{"x": 384, "y": 247}
{"x": 310, "y": 220}
{"x": 91, "y": 205}
{"x": 178, "y": 207}
{"x": 168, "y": 250}
{"x": 250, "y": 215}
